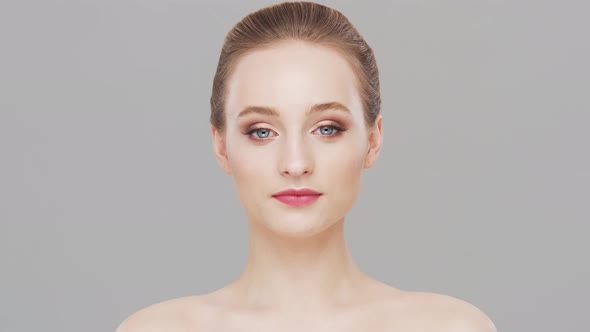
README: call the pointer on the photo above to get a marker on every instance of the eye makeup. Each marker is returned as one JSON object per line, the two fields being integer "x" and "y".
{"x": 254, "y": 132}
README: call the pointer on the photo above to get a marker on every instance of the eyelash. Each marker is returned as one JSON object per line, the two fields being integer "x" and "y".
{"x": 338, "y": 131}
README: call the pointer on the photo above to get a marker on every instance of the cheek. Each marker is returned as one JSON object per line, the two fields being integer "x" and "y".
{"x": 344, "y": 165}
{"x": 250, "y": 167}
{"x": 342, "y": 177}
{"x": 346, "y": 172}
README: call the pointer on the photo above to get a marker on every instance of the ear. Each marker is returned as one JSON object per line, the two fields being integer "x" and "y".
{"x": 219, "y": 148}
{"x": 375, "y": 142}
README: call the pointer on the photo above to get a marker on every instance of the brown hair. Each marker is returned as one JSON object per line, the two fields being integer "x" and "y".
{"x": 304, "y": 21}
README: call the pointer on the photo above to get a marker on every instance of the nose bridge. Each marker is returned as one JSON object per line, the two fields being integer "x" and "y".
{"x": 295, "y": 156}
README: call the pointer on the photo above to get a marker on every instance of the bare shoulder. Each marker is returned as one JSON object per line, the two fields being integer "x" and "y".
{"x": 173, "y": 315}
{"x": 439, "y": 312}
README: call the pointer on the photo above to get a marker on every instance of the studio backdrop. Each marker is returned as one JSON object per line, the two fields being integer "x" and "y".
{"x": 111, "y": 198}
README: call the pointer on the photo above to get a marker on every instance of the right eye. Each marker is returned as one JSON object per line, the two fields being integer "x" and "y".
{"x": 259, "y": 133}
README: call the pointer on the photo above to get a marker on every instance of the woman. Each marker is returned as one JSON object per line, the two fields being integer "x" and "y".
{"x": 295, "y": 115}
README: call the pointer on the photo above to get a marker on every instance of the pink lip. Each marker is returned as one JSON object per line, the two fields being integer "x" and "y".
{"x": 297, "y": 197}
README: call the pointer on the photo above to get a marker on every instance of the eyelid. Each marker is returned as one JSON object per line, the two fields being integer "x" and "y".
{"x": 330, "y": 123}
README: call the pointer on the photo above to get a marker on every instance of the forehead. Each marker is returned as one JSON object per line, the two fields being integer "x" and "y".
{"x": 291, "y": 76}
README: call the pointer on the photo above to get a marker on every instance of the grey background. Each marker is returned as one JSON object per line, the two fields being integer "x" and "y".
{"x": 111, "y": 199}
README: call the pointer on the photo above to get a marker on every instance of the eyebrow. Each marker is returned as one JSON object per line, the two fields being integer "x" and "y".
{"x": 263, "y": 110}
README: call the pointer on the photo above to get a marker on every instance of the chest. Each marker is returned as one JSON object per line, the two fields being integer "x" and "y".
{"x": 359, "y": 321}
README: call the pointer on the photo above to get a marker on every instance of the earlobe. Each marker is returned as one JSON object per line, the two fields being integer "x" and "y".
{"x": 375, "y": 142}
{"x": 219, "y": 148}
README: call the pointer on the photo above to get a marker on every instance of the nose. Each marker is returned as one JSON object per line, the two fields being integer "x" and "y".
{"x": 295, "y": 159}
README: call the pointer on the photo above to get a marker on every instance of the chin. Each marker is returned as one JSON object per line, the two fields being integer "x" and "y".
{"x": 295, "y": 224}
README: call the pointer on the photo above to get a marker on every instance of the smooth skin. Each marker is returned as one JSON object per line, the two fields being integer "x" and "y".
{"x": 299, "y": 275}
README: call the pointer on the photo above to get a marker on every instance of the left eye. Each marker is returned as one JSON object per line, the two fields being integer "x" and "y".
{"x": 329, "y": 130}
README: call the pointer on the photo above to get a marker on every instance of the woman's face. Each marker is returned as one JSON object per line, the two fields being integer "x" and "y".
{"x": 294, "y": 119}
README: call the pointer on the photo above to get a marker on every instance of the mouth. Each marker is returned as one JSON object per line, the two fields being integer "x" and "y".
{"x": 297, "y": 197}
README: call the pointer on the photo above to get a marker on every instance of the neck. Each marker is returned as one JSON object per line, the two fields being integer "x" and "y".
{"x": 295, "y": 273}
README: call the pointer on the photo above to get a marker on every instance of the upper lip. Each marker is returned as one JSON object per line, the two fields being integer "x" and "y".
{"x": 297, "y": 192}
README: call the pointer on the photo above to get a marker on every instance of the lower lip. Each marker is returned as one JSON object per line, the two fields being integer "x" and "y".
{"x": 302, "y": 200}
